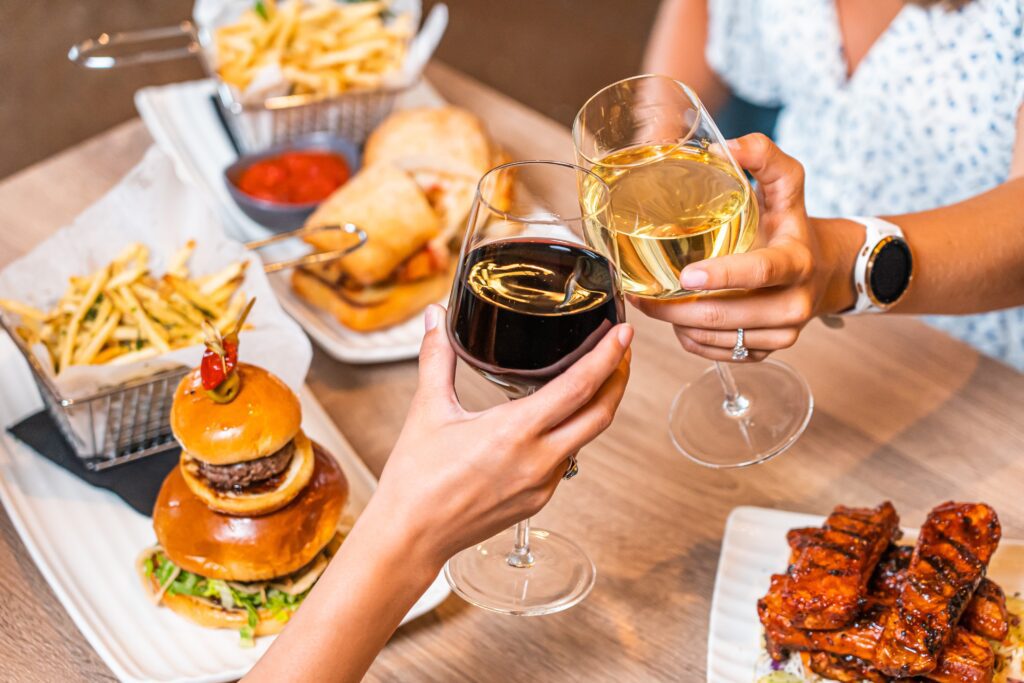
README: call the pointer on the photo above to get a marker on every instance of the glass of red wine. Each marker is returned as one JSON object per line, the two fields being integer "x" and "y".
{"x": 529, "y": 299}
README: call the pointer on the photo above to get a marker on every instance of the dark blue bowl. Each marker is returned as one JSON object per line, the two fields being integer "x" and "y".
{"x": 277, "y": 216}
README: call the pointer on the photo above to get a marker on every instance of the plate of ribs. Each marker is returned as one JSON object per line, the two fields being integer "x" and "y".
{"x": 853, "y": 597}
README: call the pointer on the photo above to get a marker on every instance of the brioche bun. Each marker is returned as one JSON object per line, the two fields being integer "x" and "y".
{"x": 256, "y": 500}
{"x": 218, "y": 546}
{"x": 262, "y": 418}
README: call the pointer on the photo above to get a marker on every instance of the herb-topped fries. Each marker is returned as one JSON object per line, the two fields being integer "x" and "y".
{"x": 321, "y": 47}
{"x": 124, "y": 313}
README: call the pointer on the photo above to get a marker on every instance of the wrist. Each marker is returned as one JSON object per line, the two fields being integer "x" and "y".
{"x": 389, "y": 521}
{"x": 839, "y": 241}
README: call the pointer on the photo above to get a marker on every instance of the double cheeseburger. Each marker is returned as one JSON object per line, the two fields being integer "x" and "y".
{"x": 412, "y": 197}
{"x": 249, "y": 519}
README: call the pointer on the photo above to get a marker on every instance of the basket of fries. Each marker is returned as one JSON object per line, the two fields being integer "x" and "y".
{"x": 112, "y": 311}
{"x": 289, "y": 68}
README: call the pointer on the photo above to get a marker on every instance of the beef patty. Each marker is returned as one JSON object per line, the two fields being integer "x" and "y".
{"x": 242, "y": 474}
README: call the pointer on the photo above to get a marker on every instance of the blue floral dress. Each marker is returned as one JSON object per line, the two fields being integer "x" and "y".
{"x": 927, "y": 119}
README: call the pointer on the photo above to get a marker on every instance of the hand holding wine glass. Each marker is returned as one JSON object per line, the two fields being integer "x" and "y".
{"x": 781, "y": 287}
{"x": 678, "y": 198}
{"x": 462, "y": 476}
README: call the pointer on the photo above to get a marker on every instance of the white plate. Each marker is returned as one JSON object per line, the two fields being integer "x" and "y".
{"x": 84, "y": 541}
{"x": 181, "y": 119}
{"x": 753, "y": 549}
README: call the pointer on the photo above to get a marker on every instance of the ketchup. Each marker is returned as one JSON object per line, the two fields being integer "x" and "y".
{"x": 295, "y": 177}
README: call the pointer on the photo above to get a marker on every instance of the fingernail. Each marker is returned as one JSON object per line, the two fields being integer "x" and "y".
{"x": 733, "y": 144}
{"x": 625, "y": 334}
{"x": 430, "y": 320}
{"x": 693, "y": 278}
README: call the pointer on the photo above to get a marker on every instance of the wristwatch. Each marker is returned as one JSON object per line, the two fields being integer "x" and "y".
{"x": 884, "y": 267}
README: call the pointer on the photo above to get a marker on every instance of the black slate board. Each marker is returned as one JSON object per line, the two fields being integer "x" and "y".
{"x": 136, "y": 483}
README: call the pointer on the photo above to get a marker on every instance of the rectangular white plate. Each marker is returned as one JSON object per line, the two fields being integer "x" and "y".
{"x": 85, "y": 540}
{"x": 181, "y": 119}
{"x": 753, "y": 549}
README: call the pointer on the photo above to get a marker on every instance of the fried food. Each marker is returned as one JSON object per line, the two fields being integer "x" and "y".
{"x": 124, "y": 313}
{"x": 411, "y": 198}
{"x": 967, "y": 658}
{"x": 827, "y": 582}
{"x": 320, "y": 48}
{"x": 952, "y": 551}
{"x": 927, "y": 612}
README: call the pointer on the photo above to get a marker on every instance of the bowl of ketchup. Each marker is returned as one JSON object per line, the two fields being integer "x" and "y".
{"x": 279, "y": 187}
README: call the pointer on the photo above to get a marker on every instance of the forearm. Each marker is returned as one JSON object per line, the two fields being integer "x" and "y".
{"x": 968, "y": 257}
{"x": 378, "y": 574}
{"x": 676, "y": 48}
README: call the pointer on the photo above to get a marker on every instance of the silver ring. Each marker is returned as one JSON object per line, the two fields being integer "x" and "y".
{"x": 572, "y": 469}
{"x": 739, "y": 351}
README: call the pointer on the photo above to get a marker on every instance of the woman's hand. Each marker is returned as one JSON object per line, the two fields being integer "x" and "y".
{"x": 457, "y": 477}
{"x": 454, "y": 478}
{"x": 804, "y": 269}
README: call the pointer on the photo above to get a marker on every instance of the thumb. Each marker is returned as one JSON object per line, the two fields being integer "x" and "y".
{"x": 780, "y": 176}
{"x": 437, "y": 360}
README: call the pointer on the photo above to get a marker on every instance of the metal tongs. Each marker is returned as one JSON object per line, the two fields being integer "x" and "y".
{"x": 315, "y": 257}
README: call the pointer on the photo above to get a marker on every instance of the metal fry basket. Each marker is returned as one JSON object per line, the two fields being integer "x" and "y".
{"x": 111, "y": 426}
{"x": 130, "y": 421}
{"x": 351, "y": 115}
{"x": 257, "y": 125}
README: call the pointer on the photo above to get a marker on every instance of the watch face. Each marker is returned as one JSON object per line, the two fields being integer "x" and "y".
{"x": 890, "y": 271}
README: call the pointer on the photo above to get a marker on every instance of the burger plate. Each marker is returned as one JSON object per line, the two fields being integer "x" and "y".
{"x": 84, "y": 541}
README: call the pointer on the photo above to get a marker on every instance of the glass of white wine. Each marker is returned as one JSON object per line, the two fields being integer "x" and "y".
{"x": 677, "y": 197}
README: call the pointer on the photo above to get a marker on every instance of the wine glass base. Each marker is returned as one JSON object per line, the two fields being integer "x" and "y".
{"x": 561, "y": 575}
{"x": 776, "y": 407}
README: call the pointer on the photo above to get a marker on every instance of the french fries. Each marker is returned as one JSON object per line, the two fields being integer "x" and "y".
{"x": 122, "y": 313}
{"x": 321, "y": 47}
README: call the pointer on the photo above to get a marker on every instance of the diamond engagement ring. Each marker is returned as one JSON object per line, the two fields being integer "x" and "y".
{"x": 572, "y": 469}
{"x": 739, "y": 351}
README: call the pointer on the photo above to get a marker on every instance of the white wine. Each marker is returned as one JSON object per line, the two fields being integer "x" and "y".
{"x": 669, "y": 207}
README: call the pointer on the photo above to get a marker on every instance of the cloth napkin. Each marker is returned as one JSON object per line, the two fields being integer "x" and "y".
{"x": 136, "y": 483}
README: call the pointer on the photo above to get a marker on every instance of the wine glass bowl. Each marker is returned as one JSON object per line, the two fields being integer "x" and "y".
{"x": 677, "y": 195}
{"x": 529, "y": 299}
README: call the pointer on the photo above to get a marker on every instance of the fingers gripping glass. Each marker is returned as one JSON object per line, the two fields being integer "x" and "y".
{"x": 678, "y": 197}
{"x": 529, "y": 299}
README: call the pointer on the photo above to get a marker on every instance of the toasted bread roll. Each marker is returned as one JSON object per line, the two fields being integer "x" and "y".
{"x": 390, "y": 207}
{"x": 382, "y": 308}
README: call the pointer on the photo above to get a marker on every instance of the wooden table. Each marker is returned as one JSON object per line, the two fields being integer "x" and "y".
{"x": 902, "y": 412}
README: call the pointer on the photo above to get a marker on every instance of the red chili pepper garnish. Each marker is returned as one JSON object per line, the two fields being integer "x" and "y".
{"x": 218, "y": 363}
{"x": 221, "y": 355}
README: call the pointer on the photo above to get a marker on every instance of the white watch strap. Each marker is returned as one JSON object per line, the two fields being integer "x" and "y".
{"x": 875, "y": 231}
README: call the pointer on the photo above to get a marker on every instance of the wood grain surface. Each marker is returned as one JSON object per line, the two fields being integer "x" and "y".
{"x": 902, "y": 413}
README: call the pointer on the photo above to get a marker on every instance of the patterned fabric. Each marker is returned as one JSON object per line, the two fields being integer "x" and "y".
{"x": 927, "y": 119}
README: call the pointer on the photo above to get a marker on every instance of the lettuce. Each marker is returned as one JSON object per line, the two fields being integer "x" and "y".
{"x": 281, "y": 605}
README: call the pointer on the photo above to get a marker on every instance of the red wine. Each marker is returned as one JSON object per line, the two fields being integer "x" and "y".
{"x": 523, "y": 310}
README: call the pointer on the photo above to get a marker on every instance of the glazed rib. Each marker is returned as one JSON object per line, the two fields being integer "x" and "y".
{"x": 967, "y": 658}
{"x": 858, "y": 639}
{"x": 827, "y": 580}
{"x": 986, "y": 613}
{"x": 952, "y": 551}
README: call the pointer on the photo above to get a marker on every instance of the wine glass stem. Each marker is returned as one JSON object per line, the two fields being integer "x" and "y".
{"x": 735, "y": 403}
{"x": 521, "y": 557}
